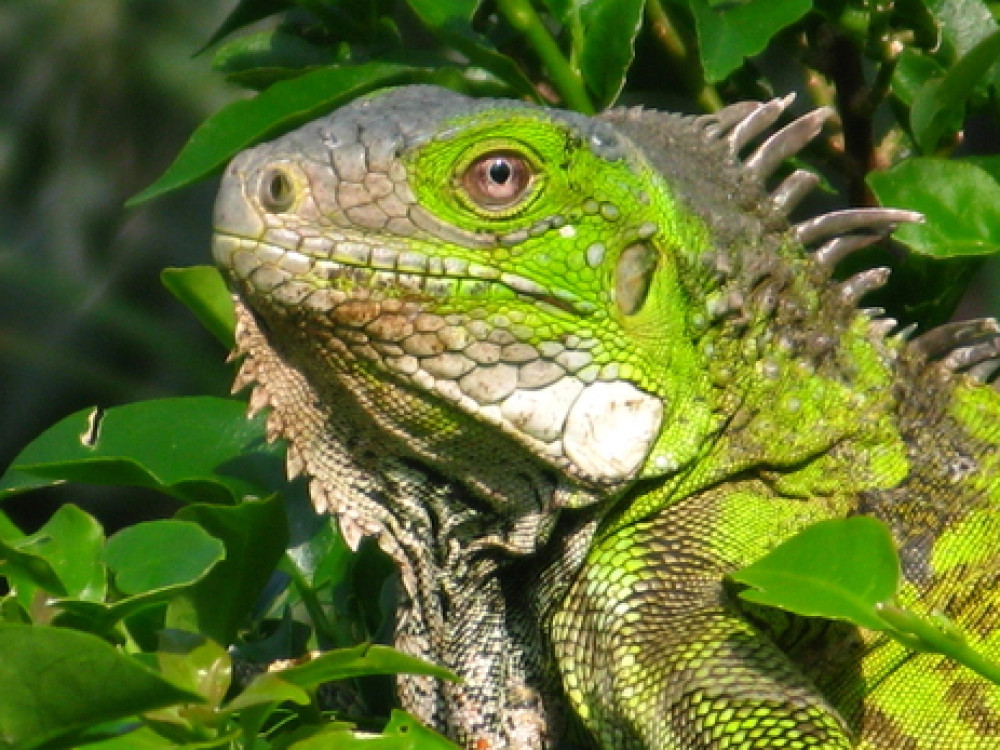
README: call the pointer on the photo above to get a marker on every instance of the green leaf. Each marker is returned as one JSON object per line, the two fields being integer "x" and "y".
{"x": 193, "y": 448}
{"x": 274, "y": 48}
{"x": 939, "y": 106}
{"x": 605, "y": 37}
{"x": 196, "y": 663}
{"x": 451, "y": 21}
{"x": 360, "y": 661}
{"x": 913, "y": 70}
{"x": 960, "y": 201}
{"x": 203, "y": 290}
{"x": 961, "y": 24}
{"x": 403, "y": 732}
{"x": 266, "y": 688}
{"x": 163, "y": 554}
{"x": 255, "y": 534}
{"x": 728, "y": 34}
{"x": 57, "y": 683}
{"x": 72, "y": 542}
{"x": 282, "y": 107}
{"x": 839, "y": 569}
{"x": 245, "y": 13}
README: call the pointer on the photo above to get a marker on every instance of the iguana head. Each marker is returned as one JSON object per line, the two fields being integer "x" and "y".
{"x": 468, "y": 263}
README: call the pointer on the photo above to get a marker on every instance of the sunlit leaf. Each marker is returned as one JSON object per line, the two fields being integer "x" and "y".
{"x": 959, "y": 200}
{"x": 59, "y": 682}
{"x": 839, "y": 569}
{"x": 194, "y": 448}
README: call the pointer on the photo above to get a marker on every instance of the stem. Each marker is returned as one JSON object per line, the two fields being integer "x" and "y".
{"x": 932, "y": 638}
{"x": 680, "y": 54}
{"x": 567, "y": 81}
{"x": 311, "y": 602}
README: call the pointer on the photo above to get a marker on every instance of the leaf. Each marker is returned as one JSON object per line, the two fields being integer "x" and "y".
{"x": 451, "y": 21}
{"x": 360, "y": 661}
{"x": 193, "y": 448}
{"x": 199, "y": 664}
{"x": 72, "y": 542}
{"x": 727, "y": 35}
{"x": 962, "y": 24}
{"x": 265, "y": 688}
{"x": 274, "y": 48}
{"x": 605, "y": 36}
{"x": 255, "y": 534}
{"x": 245, "y": 13}
{"x": 282, "y": 107}
{"x": 58, "y": 683}
{"x": 163, "y": 554}
{"x": 960, "y": 201}
{"x": 939, "y": 106}
{"x": 203, "y": 290}
{"x": 403, "y": 732}
{"x": 839, "y": 569}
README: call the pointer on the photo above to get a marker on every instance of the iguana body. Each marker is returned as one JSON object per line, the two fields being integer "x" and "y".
{"x": 571, "y": 372}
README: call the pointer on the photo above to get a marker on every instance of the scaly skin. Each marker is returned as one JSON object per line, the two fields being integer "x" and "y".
{"x": 571, "y": 372}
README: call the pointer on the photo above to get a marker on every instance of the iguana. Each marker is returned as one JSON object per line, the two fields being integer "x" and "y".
{"x": 571, "y": 372}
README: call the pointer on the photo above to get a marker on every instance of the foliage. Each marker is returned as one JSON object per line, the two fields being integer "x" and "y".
{"x": 176, "y": 620}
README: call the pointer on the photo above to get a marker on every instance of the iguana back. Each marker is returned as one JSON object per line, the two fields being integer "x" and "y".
{"x": 570, "y": 372}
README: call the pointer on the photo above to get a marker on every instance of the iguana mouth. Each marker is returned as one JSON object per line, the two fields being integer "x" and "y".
{"x": 349, "y": 268}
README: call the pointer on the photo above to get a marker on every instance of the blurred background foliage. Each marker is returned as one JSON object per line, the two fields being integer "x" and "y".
{"x": 96, "y": 98}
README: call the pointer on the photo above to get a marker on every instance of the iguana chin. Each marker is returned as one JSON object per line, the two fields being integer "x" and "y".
{"x": 571, "y": 372}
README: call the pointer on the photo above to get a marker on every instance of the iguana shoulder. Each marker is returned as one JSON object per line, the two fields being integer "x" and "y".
{"x": 572, "y": 371}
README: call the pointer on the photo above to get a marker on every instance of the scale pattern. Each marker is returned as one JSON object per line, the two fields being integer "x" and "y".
{"x": 570, "y": 372}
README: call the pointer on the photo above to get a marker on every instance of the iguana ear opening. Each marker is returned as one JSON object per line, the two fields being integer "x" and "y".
{"x": 634, "y": 276}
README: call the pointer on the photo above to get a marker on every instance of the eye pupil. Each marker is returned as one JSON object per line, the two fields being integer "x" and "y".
{"x": 498, "y": 181}
{"x": 500, "y": 171}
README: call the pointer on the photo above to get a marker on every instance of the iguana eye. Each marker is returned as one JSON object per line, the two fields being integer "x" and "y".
{"x": 277, "y": 192}
{"x": 497, "y": 180}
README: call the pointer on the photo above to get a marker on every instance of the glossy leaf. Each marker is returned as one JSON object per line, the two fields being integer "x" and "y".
{"x": 839, "y": 569}
{"x": 605, "y": 31}
{"x": 959, "y": 200}
{"x": 161, "y": 554}
{"x": 72, "y": 542}
{"x": 939, "y": 106}
{"x": 727, "y": 34}
{"x": 274, "y": 48}
{"x": 59, "y": 682}
{"x": 451, "y": 20}
{"x": 245, "y": 13}
{"x": 254, "y": 534}
{"x": 203, "y": 290}
{"x": 195, "y": 449}
{"x": 282, "y": 107}
{"x": 403, "y": 732}
{"x": 196, "y": 663}
{"x": 360, "y": 660}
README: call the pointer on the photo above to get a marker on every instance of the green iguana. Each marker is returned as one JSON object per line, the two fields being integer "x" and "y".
{"x": 571, "y": 372}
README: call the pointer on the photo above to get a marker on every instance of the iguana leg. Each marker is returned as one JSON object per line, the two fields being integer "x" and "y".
{"x": 655, "y": 653}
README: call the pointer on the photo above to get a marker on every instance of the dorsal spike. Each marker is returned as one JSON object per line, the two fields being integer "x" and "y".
{"x": 883, "y": 327}
{"x": 759, "y": 120}
{"x": 985, "y": 370}
{"x": 792, "y": 190}
{"x": 853, "y": 220}
{"x": 858, "y": 285}
{"x": 942, "y": 339}
{"x": 831, "y": 252}
{"x": 786, "y": 142}
{"x": 718, "y": 124}
{"x": 967, "y": 356}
